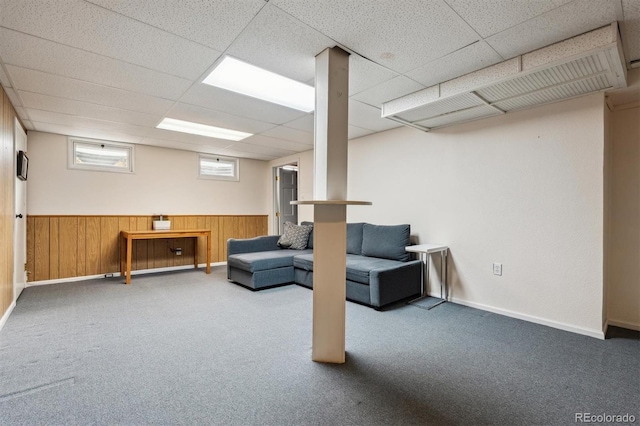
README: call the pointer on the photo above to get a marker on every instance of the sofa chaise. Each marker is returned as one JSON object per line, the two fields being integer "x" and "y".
{"x": 379, "y": 270}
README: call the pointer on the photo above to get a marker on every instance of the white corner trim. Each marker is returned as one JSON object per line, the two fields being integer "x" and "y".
{"x": 5, "y": 317}
{"x": 117, "y": 274}
{"x": 623, "y": 324}
{"x": 598, "y": 334}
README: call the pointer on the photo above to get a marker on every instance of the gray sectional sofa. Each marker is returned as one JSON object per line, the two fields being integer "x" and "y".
{"x": 379, "y": 270}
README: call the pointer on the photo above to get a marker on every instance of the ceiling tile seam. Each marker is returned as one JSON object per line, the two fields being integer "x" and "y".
{"x": 248, "y": 142}
{"x": 621, "y": 29}
{"x": 84, "y": 81}
{"x": 89, "y": 82}
{"x": 4, "y": 70}
{"x": 126, "y": 135}
{"x": 97, "y": 54}
{"x": 85, "y": 102}
{"x": 227, "y": 113}
{"x": 90, "y": 118}
{"x": 15, "y": 90}
{"x": 472, "y": 29}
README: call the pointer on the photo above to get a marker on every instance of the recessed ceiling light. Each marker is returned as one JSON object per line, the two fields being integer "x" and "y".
{"x": 237, "y": 76}
{"x": 201, "y": 129}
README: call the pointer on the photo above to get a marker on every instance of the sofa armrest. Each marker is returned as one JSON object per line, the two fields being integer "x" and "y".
{"x": 252, "y": 245}
{"x": 398, "y": 282}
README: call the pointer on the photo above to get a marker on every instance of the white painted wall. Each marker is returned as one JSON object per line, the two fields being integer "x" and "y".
{"x": 165, "y": 181}
{"x": 524, "y": 189}
{"x": 623, "y": 301}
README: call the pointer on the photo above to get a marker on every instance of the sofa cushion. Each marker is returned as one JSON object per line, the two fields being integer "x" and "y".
{"x": 263, "y": 260}
{"x": 358, "y": 267}
{"x": 354, "y": 238}
{"x": 295, "y": 237}
{"x": 310, "y": 242}
{"x": 386, "y": 241}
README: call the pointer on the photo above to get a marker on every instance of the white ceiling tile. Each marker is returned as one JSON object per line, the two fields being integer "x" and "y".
{"x": 35, "y": 53}
{"x": 368, "y": 117}
{"x": 631, "y": 11}
{"x": 171, "y": 136}
{"x": 258, "y": 149}
{"x": 305, "y": 123}
{"x": 28, "y": 124}
{"x": 356, "y": 132}
{"x": 95, "y": 29}
{"x": 279, "y": 43}
{"x": 39, "y": 116}
{"x": 201, "y": 115}
{"x": 471, "y": 58}
{"x": 4, "y": 78}
{"x": 559, "y": 24}
{"x": 490, "y": 17}
{"x": 22, "y": 113}
{"x": 388, "y": 90}
{"x": 222, "y": 100}
{"x": 198, "y": 147}
{"x": 289, "y": 134}
{"x": 364, "y": 74}
{"x": 85, "y": 109}
{"x": 13, "y": 96}
{"x": 68, "y": 88}
{"x": 277, "y": 143}
{"x": 211, "y": 23}
{"x": 85, "y": 133}
{"x": 401, "y": 35}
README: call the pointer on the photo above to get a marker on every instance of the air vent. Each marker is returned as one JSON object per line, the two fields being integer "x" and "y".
{"x": 584, "y": 64}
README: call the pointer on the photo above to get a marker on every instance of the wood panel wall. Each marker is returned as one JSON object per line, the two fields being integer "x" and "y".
{"x": 7, "y": 158}
{"x": 75, "y": 246}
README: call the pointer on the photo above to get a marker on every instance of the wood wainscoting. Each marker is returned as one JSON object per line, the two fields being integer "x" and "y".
{"x": 75, "y": 246}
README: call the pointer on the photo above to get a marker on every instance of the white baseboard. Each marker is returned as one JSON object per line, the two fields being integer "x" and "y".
{"x": 117, "y": 274}
{"x": 623, "y": 324}
{"x": 5, "y": 317}
{"x": 598, "y": 334}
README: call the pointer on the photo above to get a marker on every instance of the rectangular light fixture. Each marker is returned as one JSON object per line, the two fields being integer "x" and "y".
{"x": 202, "y": 129}
{"x": 241, "y": 77}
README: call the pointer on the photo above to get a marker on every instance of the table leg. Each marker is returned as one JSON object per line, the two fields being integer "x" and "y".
{"x": 209, "y": 253}
{"x": 122, "y": 242}
{"x": 195, "y": 252}
{"x": 129, "y": 250}
{"x": 424, "y": 277}
{"x": 442, "y": 299}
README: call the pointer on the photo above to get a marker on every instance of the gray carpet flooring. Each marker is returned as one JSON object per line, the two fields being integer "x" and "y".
{"x": 188, "y": 348}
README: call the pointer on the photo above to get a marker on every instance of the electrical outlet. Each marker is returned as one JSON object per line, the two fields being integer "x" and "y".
{"x": 497, "y": 269}
{"x": 178, "y": 252}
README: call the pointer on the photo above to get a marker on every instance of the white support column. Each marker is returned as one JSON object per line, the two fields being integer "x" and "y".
{"x": 329, "y": 287}
{"x": 330, "y": 183}
{"x": 331, "y": 125}
{"x": 330, "y": 206}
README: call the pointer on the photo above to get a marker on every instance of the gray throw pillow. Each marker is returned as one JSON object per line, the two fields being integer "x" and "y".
{"x": 294, "y": 237}
{"x": 387, "y": 242}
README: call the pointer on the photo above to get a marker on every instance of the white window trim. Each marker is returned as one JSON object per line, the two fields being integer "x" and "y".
{"x": 71, "y": 164}
{"x": 234, "y": 178}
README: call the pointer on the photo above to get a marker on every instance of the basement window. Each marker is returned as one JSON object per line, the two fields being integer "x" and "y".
{"x": 217, "y": 167}
{"x": 106, "y": 156}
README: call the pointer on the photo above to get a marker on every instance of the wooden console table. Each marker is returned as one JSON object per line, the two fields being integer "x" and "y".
{"x": 129, "y": 236}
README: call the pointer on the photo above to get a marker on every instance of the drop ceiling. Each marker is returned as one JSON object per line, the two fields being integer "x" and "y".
{"x": 112, "y": 69}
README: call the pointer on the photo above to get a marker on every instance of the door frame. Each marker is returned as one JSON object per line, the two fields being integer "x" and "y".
{"x": 19, "y": 246}
{"x": 275, "y": 201}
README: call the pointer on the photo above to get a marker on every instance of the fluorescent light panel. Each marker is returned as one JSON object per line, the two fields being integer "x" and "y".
{"x": 201, "y": 129}
{"x": 237, "y": 76}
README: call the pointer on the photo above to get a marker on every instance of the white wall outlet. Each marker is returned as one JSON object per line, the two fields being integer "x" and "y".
{"x": 497, "y": 269}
